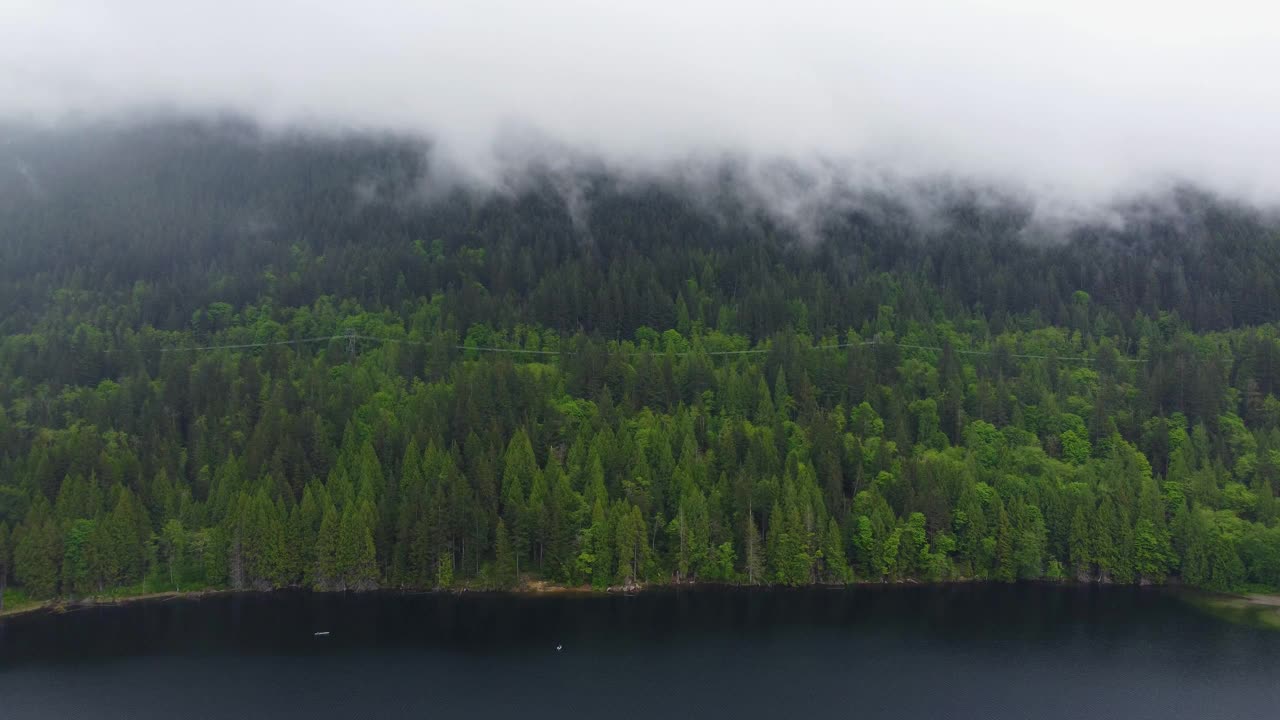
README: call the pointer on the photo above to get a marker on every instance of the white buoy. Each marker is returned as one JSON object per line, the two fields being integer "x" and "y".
{"x": 559, "y": 648}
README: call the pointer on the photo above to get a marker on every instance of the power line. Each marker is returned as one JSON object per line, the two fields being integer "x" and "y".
{"x": 236, "y": 346}
{"x": 1015, "y": 355}
{"x": 298, "y": 341}
{"x": 350, "y": 337}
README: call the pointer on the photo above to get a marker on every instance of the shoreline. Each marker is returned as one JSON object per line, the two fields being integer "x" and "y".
{"x": 1250, "y": 601}
{"x": 529, "y": 588}
{"x": 1261, "y": 610}
{"x": 63, "y": 605}
{"x": 1263, "y": 599}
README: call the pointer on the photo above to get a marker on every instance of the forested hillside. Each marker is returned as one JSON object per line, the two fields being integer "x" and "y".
{"x": 241, "y": 360}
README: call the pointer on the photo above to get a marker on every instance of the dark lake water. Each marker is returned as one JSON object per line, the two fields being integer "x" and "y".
{"x": 894, "y": 652}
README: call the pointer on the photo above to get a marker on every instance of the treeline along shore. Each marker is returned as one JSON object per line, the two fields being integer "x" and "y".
{"x": 222, "y": 367}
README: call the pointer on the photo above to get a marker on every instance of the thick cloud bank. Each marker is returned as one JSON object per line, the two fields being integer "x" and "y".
{"x": 1076, "y": 101}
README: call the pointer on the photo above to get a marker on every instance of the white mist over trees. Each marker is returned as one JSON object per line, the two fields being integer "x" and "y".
{"x": 1076, "y": 103}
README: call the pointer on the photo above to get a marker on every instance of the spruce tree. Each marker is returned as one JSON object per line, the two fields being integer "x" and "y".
{"x": 37, "y": 552}
{"x": 326, "y": 575}
{"x": 625, "y": 544}
{"x": 601, "y": 547}
{"x": 519, "y": 469}
{"x": 412, "y": 490}
{"x": 1103, "y": 548}
{"x": 754, "y": 560}
{"x": 1197, "y": 569}
{"x": 504, "y": 558}
{"x": 173, "y": 548}
{"x": 356, "y": 560}
{"x": 1226, "y": 571}
{"x": 76, "y": 563}
{"x": 1079, "y": 545}
{"x": 835, "y": 565}
{"x": 4, "y": 562}
{"x": 1006, "y": 570}
{"x": 104, "y": 561}
{"x": 444, "y": 570}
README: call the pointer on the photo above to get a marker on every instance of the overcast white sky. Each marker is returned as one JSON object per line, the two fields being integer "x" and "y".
{"x": 1085, "y": 98}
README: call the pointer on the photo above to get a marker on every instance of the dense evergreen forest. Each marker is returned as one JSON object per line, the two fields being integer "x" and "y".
{"x": 238, "y": 359}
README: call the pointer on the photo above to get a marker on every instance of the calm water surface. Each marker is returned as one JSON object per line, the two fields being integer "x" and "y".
{"x": 897, "y": 652}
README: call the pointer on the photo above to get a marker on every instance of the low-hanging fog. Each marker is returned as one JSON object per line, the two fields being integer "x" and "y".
{"x": 1072, "y": 104}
